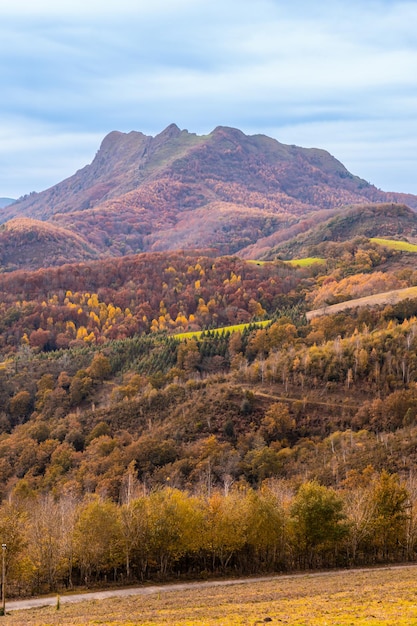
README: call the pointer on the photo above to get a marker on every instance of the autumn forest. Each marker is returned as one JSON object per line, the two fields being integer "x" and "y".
{"x": 200, "y": 411}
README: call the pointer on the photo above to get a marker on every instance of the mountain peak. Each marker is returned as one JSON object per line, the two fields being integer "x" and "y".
{"x": 228, "y": 131}
{"x": 115, "y": 139}
{"x": 169, "y": 132}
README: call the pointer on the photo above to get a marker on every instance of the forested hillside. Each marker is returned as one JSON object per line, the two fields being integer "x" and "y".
{"x": 128, "y": 452}
{"x": 33, "y": 244}
{"x": 75, "y": 305}
{"x": 175, "y": 398}
{"x": 388, "y": 220}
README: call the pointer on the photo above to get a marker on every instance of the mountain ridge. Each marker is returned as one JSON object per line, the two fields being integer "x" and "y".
{"x": 179, "y": 190}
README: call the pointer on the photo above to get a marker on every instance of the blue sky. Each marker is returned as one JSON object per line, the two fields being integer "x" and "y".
{"x": 335, "y": 74}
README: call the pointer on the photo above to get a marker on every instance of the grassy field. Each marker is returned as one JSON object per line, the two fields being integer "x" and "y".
{"x": 218, "y": 331}
{"x": 307, "y": 261}
{"x": 403, "y": 246}
{"x": 375, "y": 597}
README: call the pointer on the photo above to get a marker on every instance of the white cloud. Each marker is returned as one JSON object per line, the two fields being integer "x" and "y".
{"x": 95, "y": 8}
{"x": 49, "y": 155}
{"x": 322, "y": 71}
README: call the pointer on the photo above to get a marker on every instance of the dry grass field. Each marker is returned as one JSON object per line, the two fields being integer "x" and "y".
{"x": 389, "y": 297}
{"x": 358, "y": 597}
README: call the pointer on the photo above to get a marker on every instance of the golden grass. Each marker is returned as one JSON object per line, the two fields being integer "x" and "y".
{"x": 305, "y": 262}
{"x": 375, "y": 597}
{"x": 218, "y": 331}
{"x": 403, "y": 246}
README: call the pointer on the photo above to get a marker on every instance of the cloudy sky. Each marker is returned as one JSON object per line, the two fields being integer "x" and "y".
{"x": 334, "y": 74}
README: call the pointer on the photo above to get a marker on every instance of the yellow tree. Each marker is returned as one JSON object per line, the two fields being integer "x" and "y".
{"x": 100, "y": 367}
{"x": 225, "y": 527}
{"x": 266, "y": 531}
{"x": 136, "y": 535}
{"x": 318, "y": 523}
{"x": 97, "y": 539}
{"x": 175, "y": 521}
{"x": 45, "y": 542}
{"x": 13, "y": 525}
{"x": 277, "y": 422}
{"x": 390, "y": 501}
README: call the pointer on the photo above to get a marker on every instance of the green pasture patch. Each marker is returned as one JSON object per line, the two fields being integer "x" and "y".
{"x": 218, "y": 331}
{"x": 402, "y": 246}
{"x": 307, "y": 261}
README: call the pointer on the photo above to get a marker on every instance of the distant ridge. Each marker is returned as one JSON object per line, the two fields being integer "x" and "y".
{"x": 6, "y": 201}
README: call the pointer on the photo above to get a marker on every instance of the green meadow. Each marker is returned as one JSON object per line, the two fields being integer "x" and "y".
{"x": 218, "y": 331}
{"x": 306, "y": 262}
{"x": 402, "y": 246}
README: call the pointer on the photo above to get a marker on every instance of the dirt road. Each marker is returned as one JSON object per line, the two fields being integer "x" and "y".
{"x": 31, "y": 603}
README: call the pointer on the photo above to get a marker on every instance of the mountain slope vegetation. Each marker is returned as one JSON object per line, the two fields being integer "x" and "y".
{"x": 208, "y": 455}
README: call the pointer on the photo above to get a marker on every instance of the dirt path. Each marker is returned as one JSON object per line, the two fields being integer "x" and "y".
{"x": 306, "y": 400}
{"x": 32, "y": 603}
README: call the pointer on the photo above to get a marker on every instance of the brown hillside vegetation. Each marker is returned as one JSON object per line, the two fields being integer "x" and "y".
{"x": 31, "y": 244}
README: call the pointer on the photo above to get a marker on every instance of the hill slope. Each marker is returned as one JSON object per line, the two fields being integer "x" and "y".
{"x": 31, "y": 244}
{"x": 371, "y": 220}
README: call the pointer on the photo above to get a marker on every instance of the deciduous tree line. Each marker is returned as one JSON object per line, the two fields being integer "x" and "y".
{"x": 53, "y": 543}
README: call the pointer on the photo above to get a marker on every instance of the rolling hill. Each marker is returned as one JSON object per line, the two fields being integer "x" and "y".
{"x": 370, "y": 220}
{"x": 32, "y": 244}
